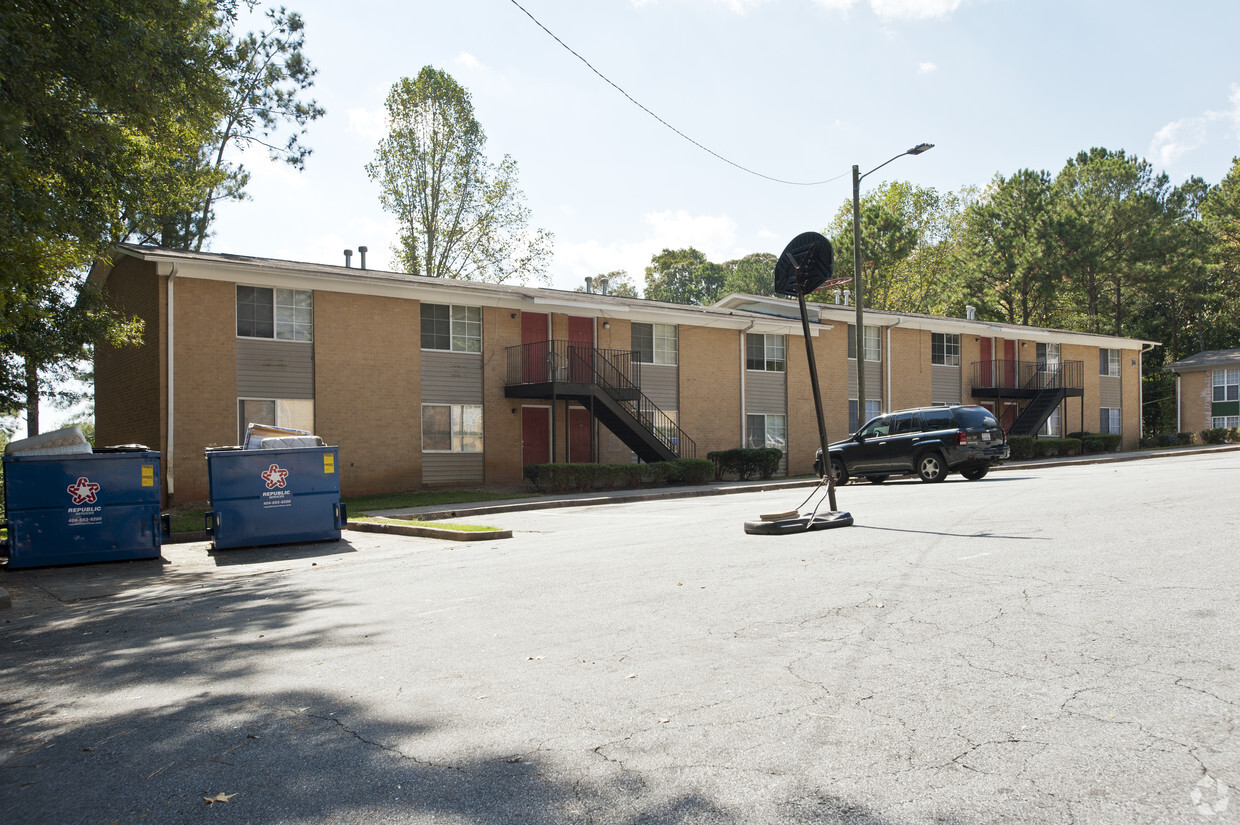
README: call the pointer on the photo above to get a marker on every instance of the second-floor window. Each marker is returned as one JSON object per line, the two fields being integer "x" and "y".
{"x": 945, "y": 349}
{"x": 765, "y": 353}
{"x": 1108, "y": 362}
{"x": 1227, "y": 385}
{"x": 655, "y": 343}
{"x": 453, "y": 328}
{"x": 873, "y": 344}
{"x": 282, "y": 314}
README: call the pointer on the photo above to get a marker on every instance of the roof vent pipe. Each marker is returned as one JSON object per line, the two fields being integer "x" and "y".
{"x": 969, "y": 312}
{"x": 589, "y": 284}
{"x": 847, "y": 297}
{"x": 362, "y": 250}
{"x": 836, "y": 293}
{"x": 348, "y": 257}
{"x": 602, "y": 284}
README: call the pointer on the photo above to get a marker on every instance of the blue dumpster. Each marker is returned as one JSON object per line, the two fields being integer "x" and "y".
{"x": 279, "y": 496}
{"x": 80, "y": 509}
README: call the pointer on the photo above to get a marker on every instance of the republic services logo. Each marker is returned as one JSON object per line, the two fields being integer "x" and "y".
{"x": 275, "y": 476}
{"x": 83, "y": 491}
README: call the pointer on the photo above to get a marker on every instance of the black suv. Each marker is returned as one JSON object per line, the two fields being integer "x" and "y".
{"x": 928, "y": 441}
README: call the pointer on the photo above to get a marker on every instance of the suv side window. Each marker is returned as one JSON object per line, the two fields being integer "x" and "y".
{"x": 976, "y": 417}
{"x": 933, "y": 420}
{"x": 905, "y": 423}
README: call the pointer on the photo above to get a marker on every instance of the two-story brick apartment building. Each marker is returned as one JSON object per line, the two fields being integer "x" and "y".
{"x": 423, "y": 381}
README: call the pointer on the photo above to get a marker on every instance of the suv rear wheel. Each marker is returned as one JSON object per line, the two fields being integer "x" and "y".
{"x": 931, "y": 467}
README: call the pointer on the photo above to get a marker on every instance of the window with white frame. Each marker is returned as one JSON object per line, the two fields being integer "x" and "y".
{"x": 1051, "y": 427}
{"x": 451, "y": 428}
{"x": 293, "y": 413}
{"x": 1227, "y": 384}
{"x": 453, "y": 328}
{"x": 1048, "y": 357}
{"x": 765, "y": 353}
{"x": 945, "y": 349}
{"x": 281, "y": 314}
{"x": 1108, "y": 420}
{"x": 872, "y": 343}
{"x": 767, "y": 431}
{"x": 655, "y": 343}
{"x": 1229, "y": 421}
{"x": 873, "y": 408}
{"x": 1108, "y": 362}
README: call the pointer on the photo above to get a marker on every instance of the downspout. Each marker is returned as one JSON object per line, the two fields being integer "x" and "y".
{"x": 744, "y": 356}
{"x": 1141, "y": 394}
{"x": 887, "y": 358}
{"x": 171, "y": 429}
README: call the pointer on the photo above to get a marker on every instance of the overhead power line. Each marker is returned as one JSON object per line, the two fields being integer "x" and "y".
{"x": 709, "y": 151}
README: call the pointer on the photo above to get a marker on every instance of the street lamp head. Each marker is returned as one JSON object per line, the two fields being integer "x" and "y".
{"x": 919, "y": 148}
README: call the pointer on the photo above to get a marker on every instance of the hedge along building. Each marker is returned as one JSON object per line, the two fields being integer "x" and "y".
{"x": 430, "y": 382}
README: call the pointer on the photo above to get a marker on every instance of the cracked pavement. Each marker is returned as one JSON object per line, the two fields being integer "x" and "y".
{"x": 1043, "y": 646}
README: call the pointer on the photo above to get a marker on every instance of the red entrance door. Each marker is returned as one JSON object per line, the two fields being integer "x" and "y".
{"x": 579, "y": 428}
{"x": 581, "y": 350}
{"x": 986, "y": 365}
{"x": 1009, "y": 363}
{"x": 535, "y": 435}
{"x": 535, "y": 335}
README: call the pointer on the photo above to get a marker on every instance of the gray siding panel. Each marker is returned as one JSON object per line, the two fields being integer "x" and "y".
{"x": 275, "y": 369}
{"x": 1110, "y": 393}
{"x": 451, "y": 377}
{"x": 766, "y": 393}
{"x": 452, "y": 468}
{"x": 661, "y": 384}
{"x": 944, "y": 384}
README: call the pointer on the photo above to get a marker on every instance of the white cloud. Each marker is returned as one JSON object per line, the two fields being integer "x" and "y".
{"x": 899, "y": 9}
{"x": 926, "y": 68}
{"x": 713, "y": 235}
{"x": 369, "y": 123}
{"x": 467, "y": 61}
{"x": 1180, "y": 137}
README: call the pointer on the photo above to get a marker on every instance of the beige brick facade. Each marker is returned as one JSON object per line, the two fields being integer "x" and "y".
{"x": 367, "y": 367}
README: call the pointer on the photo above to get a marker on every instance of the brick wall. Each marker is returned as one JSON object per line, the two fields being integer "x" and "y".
{"x": 1196, "y": 400}
{"x": 803, "y": 440}
{"x": 1130, "y": 385}
{"x": 909, "y": 357}
{"x": 501, "y": 426}
{"x": 368, "y": 389}
{"x": 710, "y": 387}
{"x": 129, "y": 406}
{"x": 205, "y": 379}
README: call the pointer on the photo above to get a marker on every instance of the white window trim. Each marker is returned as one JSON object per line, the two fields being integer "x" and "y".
{"x": 274, "y": 323}
{"x": 946, "y": 337}
{"x": 452, "y": 335}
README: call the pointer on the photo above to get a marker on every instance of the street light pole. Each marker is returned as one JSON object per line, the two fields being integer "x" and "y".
{"x": 916, "y": 150}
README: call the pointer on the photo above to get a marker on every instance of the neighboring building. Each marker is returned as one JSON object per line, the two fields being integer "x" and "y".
{"x": 1207, "y": 390}
{"x": 423, "y": 381}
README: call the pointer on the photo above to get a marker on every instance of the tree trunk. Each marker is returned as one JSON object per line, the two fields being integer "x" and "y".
{"x": 32, "y": 398}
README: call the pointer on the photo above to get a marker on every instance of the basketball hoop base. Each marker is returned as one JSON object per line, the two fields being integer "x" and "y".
{"x": 799, "y": 523}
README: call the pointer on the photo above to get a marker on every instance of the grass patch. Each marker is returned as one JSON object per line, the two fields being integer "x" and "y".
{"x": 190, "y": 519}
{"x": 445, "y": 525}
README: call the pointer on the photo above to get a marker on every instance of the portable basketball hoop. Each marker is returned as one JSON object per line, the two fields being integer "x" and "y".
{"x": 806, "y": 265}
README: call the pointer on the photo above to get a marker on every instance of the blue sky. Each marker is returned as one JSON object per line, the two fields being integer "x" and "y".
{"x": 794, "y": 89}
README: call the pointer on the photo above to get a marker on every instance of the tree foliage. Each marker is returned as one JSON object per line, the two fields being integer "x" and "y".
{"x": 684, "y": 276}
{"x": 617, "y": 283}
{"x": 267, "y": 76}
{"x": 460, "y": 215}
{"x": 754, "y": 274}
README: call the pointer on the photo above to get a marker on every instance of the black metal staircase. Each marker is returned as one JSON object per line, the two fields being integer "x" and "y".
{"x": 1042, "y": 388}
{"x": 605, "y": 382}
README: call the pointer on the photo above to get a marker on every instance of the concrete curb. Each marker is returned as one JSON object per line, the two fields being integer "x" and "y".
{"x": 427, "y": 532}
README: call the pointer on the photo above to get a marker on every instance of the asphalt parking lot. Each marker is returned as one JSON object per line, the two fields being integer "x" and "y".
{"x": 1046, "y": 645}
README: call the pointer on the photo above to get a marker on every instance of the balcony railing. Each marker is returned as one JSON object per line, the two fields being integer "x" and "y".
{"x": 1028, "y": 375}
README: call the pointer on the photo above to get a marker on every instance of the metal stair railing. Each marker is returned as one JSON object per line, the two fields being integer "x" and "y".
{"x": 624, "y": 391}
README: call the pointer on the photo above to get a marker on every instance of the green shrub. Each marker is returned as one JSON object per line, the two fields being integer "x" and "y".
{"x": 1218, "y": 435}
{"x": 1052, "y": 447}
{"x": 1021, "y": 446}
{"x": 746, "y": 462}
{"x": 1184, "y": 439}
{"x": 694, "y": 470}
{"x": 1098, "y": 442}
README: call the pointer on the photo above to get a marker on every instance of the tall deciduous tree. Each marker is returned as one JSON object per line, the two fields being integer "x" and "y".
{"x": 753, "y": 274}
{"x": 267, "y": 76}
{"x": 683, "y": 276}
{"x": 460, "y": 216}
